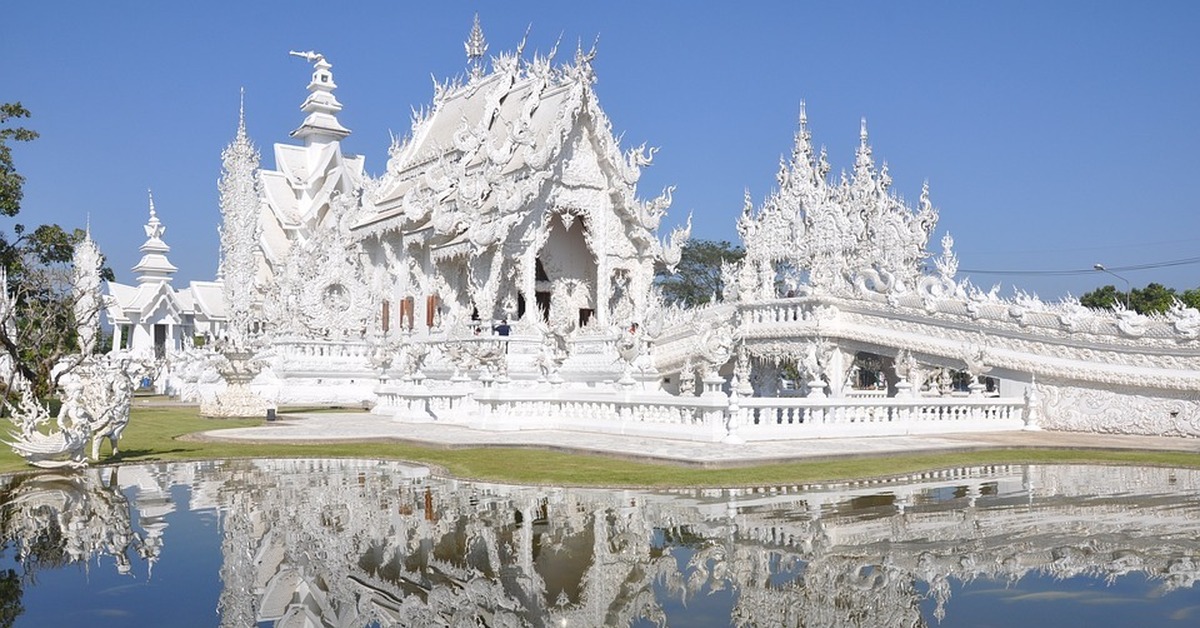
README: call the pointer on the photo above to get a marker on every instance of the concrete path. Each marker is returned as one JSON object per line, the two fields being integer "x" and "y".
{"x": 362, "y": 427}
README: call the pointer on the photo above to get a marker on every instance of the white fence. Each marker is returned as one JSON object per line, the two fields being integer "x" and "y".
{"x": 761, "y": 418}
{"x": 710, "y": 417}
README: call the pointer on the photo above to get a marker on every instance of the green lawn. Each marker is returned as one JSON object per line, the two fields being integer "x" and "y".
{"x": 153, "y": 435}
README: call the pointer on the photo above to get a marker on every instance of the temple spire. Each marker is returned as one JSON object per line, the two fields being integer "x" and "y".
{"x": 321, "y": 125}
{"x": 154, "y": 265}
{"x": 240, "y": 195}
{"x": 241, "y": 130}
{"x": 476, "y": 46}
{"x": 154, "y": 228}
{"x": 864, "y": 165}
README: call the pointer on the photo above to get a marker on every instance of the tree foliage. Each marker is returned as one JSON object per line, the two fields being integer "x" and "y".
{"x": 37, "y": 325}
{"x": 10, "y": 181}
{"x": 1103, "y": 298}
{"x": 1155, "y": 298}
{"x": 697, "y": 279}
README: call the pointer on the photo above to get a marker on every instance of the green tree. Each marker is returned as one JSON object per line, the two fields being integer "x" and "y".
{"x": 1103, "y": 298}
{"x": 1155, "y": 298}
{"x": 698, "y": 276}
{"x": 1191, "y": 298}
{"x": 37, "y": 321}
{"x": 10, "y": 181}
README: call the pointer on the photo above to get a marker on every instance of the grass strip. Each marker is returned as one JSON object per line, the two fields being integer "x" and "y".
{"x": 153, "y": 435}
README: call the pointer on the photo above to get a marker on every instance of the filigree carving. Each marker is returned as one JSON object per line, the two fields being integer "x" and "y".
{"x": 321, "y": 290}
{"x": 240, "y": 232}
{"x": 86, "y": 262}
{"x": 855, "y": 234}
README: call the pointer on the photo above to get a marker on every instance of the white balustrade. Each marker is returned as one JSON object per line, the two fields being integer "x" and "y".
{"x": 697, "y": 418}
{"x": 778, "y": 417}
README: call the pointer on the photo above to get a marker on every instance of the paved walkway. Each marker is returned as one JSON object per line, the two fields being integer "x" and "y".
{"x": 325, "y": 427}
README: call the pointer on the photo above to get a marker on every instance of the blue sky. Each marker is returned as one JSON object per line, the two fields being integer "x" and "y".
{"x": 1054, "y": 135}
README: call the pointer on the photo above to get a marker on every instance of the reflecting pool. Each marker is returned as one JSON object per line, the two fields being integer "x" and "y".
{"x": 352, "y": 543}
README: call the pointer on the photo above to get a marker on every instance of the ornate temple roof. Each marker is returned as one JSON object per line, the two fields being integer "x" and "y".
{"x": 490, "y": 145}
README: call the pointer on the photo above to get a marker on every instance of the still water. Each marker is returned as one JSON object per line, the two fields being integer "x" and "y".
{"x": 351, "y": 543}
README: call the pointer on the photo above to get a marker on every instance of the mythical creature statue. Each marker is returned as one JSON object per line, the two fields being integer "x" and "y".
{"x": 905, "y": 364}
{"x": 687, "y": 378}
{"x": 672, "y": 249}
{"x": 96, "y": 397}
{"x": 467, "y": 355}
{"x": 63, "y": 447}
{"x": 810, "y": 362}
{"x": 717, "y": 346}
{"x": 413, "y": 358}
{"x": 553, "y": 352}
{"x": 116, "y": 383}
{"x": 1185, "y": 320}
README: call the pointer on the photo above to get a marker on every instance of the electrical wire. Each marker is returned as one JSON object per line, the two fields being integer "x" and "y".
{"x": 1084, "y": 271}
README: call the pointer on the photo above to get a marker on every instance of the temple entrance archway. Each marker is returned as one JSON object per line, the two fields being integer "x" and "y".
{"x": 565, "y": 282}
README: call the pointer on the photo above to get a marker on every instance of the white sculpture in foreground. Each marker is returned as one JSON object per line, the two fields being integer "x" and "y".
{"x": 96, "y": 390}
{"x": 35, "y": 438}
{"x": 96, "y": 395}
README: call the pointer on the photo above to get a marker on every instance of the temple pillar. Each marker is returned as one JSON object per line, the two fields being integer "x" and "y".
{"x": 528, "y": 281}
{"x": 603, "y": 290}
{"x": 840, "y": 363}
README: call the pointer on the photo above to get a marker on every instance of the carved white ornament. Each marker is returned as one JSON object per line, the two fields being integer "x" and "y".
{"x": 240, "y": 231}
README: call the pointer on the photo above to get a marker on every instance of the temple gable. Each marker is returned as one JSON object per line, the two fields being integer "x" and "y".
{"x": 511, "y": 191}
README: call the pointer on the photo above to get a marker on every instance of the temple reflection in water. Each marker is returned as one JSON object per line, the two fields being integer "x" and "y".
{"x": 349, "y": 543}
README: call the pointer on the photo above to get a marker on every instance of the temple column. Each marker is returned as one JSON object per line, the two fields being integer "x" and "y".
{"x": 528, "y": 281}
{"x": 603, "y": 290}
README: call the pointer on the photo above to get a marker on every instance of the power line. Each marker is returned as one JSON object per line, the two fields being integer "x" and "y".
{"x": 1099, "y": 247}
{"x": 1084, "y": 271}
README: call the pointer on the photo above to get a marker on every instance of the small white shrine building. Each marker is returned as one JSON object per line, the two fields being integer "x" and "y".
{"x": 154, "y": 320}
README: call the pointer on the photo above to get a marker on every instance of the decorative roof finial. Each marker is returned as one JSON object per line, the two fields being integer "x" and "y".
{"x": 322, "y": 106}
{"x": 862, "y": 133}
{"x": 476, "y": 46}
{"x": 524, "y": 39}
{"x": 803, "y": 114}
{"x": 154, "y": 265}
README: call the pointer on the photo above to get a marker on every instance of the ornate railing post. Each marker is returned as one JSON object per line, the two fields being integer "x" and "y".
{"x": 733, "y": 416}
{"x": 1032, "y": 412}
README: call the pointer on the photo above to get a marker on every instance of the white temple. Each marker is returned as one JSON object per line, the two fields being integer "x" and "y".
{"x": 499, "y": 274}
{"x": 154, "y": 320}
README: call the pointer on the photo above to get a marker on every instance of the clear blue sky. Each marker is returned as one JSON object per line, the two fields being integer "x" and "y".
{"x": 1054, "y": 134}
